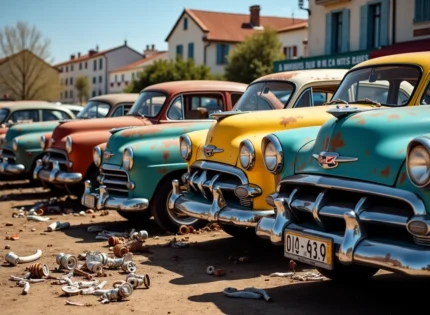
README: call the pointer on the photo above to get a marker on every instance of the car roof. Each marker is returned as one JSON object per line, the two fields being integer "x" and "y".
{"x": 417, "y": 58}
{"x": 300, "y": 77}
{"x": 114, "y": 99}
{"x": 174, "y": 87}
{"x": 20, "y": 105}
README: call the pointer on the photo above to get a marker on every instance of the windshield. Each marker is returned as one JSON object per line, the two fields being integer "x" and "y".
{"x": 3, "y": 114}
{"x": 265, "y": 96}
{"x": 148, "y": 104}
{"x": 94, "y": 109}
{"x": 387, "y": 85}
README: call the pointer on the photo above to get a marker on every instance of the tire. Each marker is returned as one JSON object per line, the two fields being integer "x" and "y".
{"x": 135, "y": 216}
{"x": 342, "y": 273}
{"x": 169, "y": 220}
{"x": 239, "y": 232}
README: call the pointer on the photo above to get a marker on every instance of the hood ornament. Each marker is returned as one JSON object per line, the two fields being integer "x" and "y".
{"x": 210, "y": 150}
{"x": 107, "y": 155}
{"x": 329, "y": 160}
{"x": 342, "y": 111}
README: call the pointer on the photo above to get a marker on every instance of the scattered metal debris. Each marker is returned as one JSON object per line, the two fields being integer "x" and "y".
{"x": 117, "y": 294}
{"x": 37, "y": 218}
{"x": 57, "y": 225}
{"x": 281, "y": 274}
{"x": 247, "y": 293}
{"x": 14, "y": 259}
{"x": 210, "y": 270}
{"x": 309, "y": 276}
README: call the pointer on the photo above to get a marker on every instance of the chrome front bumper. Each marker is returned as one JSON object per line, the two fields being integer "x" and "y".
{"x": 354, "y": 247}
{"x": 103, "y": 201}
{"x": 217, "y": 211}
{"x": 11, "y": 169}
{"x": 55, "y": 175}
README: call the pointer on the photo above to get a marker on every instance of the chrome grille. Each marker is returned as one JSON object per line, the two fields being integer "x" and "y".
{"x": 53, "y": 155}
{"x": 321, "y": 206}
{"x": 8, "y": 154}
{"x": 204, "y": 176}
{"x": 115, "y": 180}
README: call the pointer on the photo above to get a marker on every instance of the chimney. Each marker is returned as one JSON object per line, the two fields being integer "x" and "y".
{"x": 72, "y": 57}
{"x": 91, "y": 52}
{"x": 147, "y": 47}
{"x": 254, "y": 15}
{"x": 125, "y": 43}
{"x": 79, "y": 55}
{"x": 97, "y": 48}
{"x": 152, "y": 47}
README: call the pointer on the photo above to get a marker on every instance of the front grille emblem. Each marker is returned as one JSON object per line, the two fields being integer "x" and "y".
{"x": 210, "y": 150}
{"x": 329, "y": 160}
{"x": 107, "y": 155}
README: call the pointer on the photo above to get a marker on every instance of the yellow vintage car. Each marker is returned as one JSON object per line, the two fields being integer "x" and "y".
{"x": 227, "y": 181}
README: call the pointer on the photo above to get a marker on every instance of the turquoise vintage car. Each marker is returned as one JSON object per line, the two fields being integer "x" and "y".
{"x": 353, "y": 196}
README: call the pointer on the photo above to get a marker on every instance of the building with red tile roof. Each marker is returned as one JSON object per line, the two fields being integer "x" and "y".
{"x": 208, "y": 37}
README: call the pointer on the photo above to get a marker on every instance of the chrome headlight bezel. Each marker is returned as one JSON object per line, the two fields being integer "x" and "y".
{"x": 247, "y": 151}
{"x": 128, "y": 158}
{"x": 418, "y": 156}
{"x": 69, "y": 144}
{"x": 42, "y": 142}
{"x": 97, "y": 156}
{"x": 185, "y": 147}
{"x": 272, "y": 141}
{"x": 15, "y": 144}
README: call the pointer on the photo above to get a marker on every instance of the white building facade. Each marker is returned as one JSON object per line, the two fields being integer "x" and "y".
{"x": 96, "y": 66}
{"x": 120, "y": 78}
{"x": 208, "y": 37}
{"x": 343, "y": 33}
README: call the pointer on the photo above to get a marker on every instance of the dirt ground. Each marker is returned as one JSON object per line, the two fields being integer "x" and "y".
{"x": 179, "y": 283}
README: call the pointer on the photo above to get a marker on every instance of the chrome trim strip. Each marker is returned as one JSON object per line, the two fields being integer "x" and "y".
{"x": 223, "y": 168}
{"x": 359, "y": 187}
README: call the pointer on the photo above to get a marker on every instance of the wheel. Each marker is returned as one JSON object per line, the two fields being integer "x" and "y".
{"x": 239, "y": 232}
{"x": 342, "y": 273}
{"x": 135, "y": 216}
{"x": 170, "y": 220}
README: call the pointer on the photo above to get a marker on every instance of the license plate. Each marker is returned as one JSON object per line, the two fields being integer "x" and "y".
{"x": 309, "y": 249}
{"x": 90, "y": 201}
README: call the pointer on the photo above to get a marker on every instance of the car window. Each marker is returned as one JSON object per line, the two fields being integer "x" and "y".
{"x": 149, "y": 103}
{"x": 4, "y": 112}
{"x": 202, "y": 106}
{"x": 95, "y": 109}
{"x": 266, "y": 95}
{"x": 390, "y": 85}
{"x": 118, "y": 112}
{"x": 176, "y": 110}
{"x": 426, "y": 96}
{"x": 74, "y": 111}
{"x": 127, "y": 108}
{"x": 319, "y": 98}
{"x": 305, "y": 99}
{"x": 22, "y": 116}
{"x": 234, "y": 98}
{"x": 48, "y": 115}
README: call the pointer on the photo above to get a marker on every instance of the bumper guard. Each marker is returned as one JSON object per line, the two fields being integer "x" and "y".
{"x": 56, "y": 175}
{"x": 10, "y": 169}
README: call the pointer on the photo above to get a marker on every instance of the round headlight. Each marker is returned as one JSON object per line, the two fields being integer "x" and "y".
{"x": 15, "y": 144}
{"x": 127, "y": 158}
{"x": 272, "y": 154}
{"x": 185, "y": 147}
{"x": 418, "y": 165}
{"x": 97, "y": 156}
{"x": 247, "y": 154}
{"x": 69, "y": 143}
{"x": 42, "y": 142}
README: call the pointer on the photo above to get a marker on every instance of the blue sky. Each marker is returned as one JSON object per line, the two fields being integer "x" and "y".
{"x": 79, "y": 25}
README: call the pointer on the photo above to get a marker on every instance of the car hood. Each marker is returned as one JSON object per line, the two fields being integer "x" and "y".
{"x": 23, "y": 129}
{"x": 97, "y": 124}
{"x": 228, "y": 133}
{"x": 377, "y": 139}
{"x": 163, "y": 136}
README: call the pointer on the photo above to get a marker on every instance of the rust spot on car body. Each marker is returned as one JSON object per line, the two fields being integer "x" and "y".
{"x": 152, "y": 147}
{"x": 141, "y": 131}
{"x": 402, "y": 178}
{"x": 394, "y": 116}
{"x": 162, "y": 170}
{"x": 171, "y": 142}
{"x": 288, "y": 120}
{"x": 337, "y": 142}
{"x": 361, "y": 122}
{"x": 166, "y": 155}
{"x": 376, "y": 114}
{"x": 386, "y": 171}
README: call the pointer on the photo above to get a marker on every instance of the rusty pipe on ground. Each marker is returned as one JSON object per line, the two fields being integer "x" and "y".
{"x": 14, "y": 259}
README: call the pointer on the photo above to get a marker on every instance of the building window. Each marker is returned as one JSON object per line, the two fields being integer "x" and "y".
{"x": 422, "y": 11}
{"x": 375, "y": 25}
{"x": 122, "y": 78}
{"x": 71, "y": 81}
{"x": 65, "y": 94}
{"x": 80, "y": 66}
{"x": 100, "y": 92}
{"x": 191, "y": 51}
{"x": 93, "y": 93}
{"x": 94, "y": 80}
{"x": 221, "y": 54}
{"x": 100, "y": 64}
{"x": 95, "y": 65}
{"x": 86, "y": 65}
{"x": 132, "y": 75}
{"x": 100, "y": 79}
{"x": 185, "y": 24}
{"x": 336, "y": 33}
{"x": 71, "y": 68}
{"x": 116, "y": 78}
{"x": 290, "y": 52}
{"x": 71, "y": 94}
{"x": 67, "y": 68}
{"x": 61, "y": 95}
{"x": 67, "y": 81}
{"x": 179, "y": 50}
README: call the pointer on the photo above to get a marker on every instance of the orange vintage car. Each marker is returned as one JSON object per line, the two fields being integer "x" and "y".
{"x": 68, "y": 160}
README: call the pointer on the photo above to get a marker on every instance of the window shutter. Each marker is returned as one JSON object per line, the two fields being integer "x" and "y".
{"x": 418, "y": 10}
{"x": 294, "y": 51}
{"x": 191, "y": 51}
{"x": 328, "y": 22}
{"x": 385, "y": 21}
{"x": 226, "y": 49}
{"x": 285, "y": 52}
{"x": 346, "y": 13}
{"x": 364, "y": 10}
{"x": 219, "y": 54}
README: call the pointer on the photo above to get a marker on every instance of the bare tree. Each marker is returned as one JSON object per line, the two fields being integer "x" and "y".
{"x": 82, "y": 85}
{"x": 25, "y": 71}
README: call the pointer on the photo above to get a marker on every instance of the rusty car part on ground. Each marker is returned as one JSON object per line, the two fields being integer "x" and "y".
{"x": 14, "y": 259}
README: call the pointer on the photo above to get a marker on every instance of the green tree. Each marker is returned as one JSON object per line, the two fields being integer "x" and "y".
{"x": 254, "y": 57}
{"x": 170, "y": 70}
{"x": 82, "y": 85}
